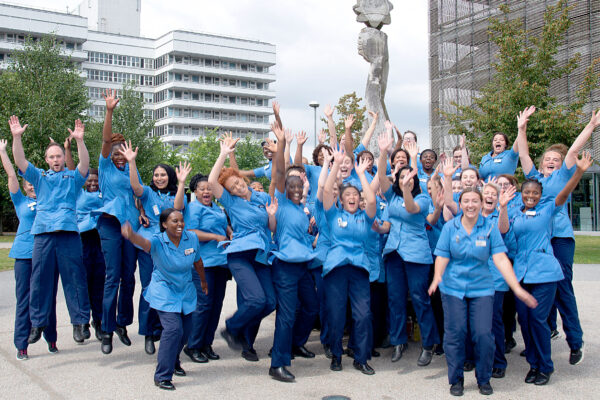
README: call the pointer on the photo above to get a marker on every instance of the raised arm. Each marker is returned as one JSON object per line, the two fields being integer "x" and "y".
{"x": 368, "y": 193}
{"x": 110, "y": 97}
{"x": 409, "y": 201}
{"x": 521, "y": 141}
{"x": 134, "y": 238}
{"x": 82, "y": 152}
{"x": 328, "y": 198}
{"x": 300, "y": 140}
{"x": 276, "y": 109}
{"x": 130, "y": 155}
{"x": 505, "y": 197}
{"x": 323, "y": 175}
{"x": 438, "y": 203}
{"x": 449, "y": 171}
{"x": 331, "y": 126}
{"x": 278, "y": 165}
{"x": 183, "y": 172}
{"x": 582, "y": 139}
{"x": 413, "y": 152}
{"x": 272, "y": 212}
{"x": 69, "y": 155}
{"x": 227, "y": 147}
{"x": 13, "y": 182}
{"x": 17, "y": 132}
{"x": 464, "y": 160}
{"x": 348, "y": 140}
{"x": 583, "y": 164}
{"x": 399, "y": 139}
{"x": 369, "y": 133}
{"x": 289, "y": 138}
{"x": 385, "y": 143}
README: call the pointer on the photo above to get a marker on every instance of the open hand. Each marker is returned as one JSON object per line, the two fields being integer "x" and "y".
{"x": 110, "y": 97}
{"x": 78, "y": 132}
{"x": 15, "y": 126}
{"x": 183, "y": 171}
{"x": 128, "y": 152}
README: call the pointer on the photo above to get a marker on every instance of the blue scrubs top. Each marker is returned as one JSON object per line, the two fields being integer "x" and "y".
{"x": 374, "y": 245}
{"x": 423, "y": 179}
{"x": 361, "y": 147}
{"x": 312, "y": 174}
{"x": 324, "y": 239}
{"x": 250, "y": 224}
{"x": 292, "y": 242}
{"x": 56, "y": 198}
{"x": 25, "y": 207}
{"x": 354, "y": 180}
{"x": 434, "y": 231}
{"x": 500, "y": 284}
{"x": 468, "y": 273}
{"x": 552, "y": 185}
{"x": 264, "y": 171}
{"x": 407, "y": 235}
{"x": 171, "y": 288}
{"x": 154, "y": 203}
{"x": 503, "y": 163}
{"x": 208, "y": 219}
{"x": 348, "y": 233}
{"x": 535, "y": 261}
{"x": 116, "y": 191}
{"x": 86, "y": 203}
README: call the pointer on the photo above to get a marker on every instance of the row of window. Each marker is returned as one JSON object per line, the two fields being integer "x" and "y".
{"x": 165, "y": 95}
{"x": 118, "y": 59}
{"x": 197, "y": 131}
{"x": 20, "y": 39}
{"x": 208, "y": 80}
{"x": 207, "y": 62}
{"x": 95, "y": 93}
{"x": 98, "y": 111}
{"x": 119, "y": 77}
{"x": 165, "y": 112}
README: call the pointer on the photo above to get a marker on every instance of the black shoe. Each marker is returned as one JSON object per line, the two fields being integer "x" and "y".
{"x": 486, "y": 389}
{"x": 121, "y": 332}
{"x": 209, "y": 353}
{"x": 523, "y": 353}
{"x": 364, "y": 368}
{"x": 531, "y": 375}
{"x": 250, "y": 355}
{"x": 375, "y": 353}
{"x": 425, "y": 358}
{"x": 303, "y": 352}
{"x": 86, "y": 331}
{"x": 349, "y": 352}
{"x": 498, "y": 373}
{"x": 438, "y": 350}
{"x": 166, "y": 385}
{"x": 576, "y": 356}
{"x": 233, "y": 341}
{"x": 469, "y": 366}
{"x": 35, "y": 334}
{"x": 22, "y": 355}
{"x": 107, "y": 343}
{"x": 385, "y": 344}
{"x": 555, "y": 334}
{"x": 78, "y": 333}
{"x": 458, "y": 388}
{"x": 97, "y": 325}
{"x": 327, "y": 350}
{"x": 195, "y": 355}
{"x": 509, "y": 344}
{"x": 336, "y": 363}
{"x": 179, "y": 371}
{"x": 149, "y": 345}
{"x": 542, "y": 378}
{"x": 281, "y": 374}
{"x": 399, "y": 349}
{"x": 52, "y": 349}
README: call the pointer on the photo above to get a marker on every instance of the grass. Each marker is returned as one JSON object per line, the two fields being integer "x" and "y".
{"x": 5, "y": 262}
{"x": 7, "y": 238}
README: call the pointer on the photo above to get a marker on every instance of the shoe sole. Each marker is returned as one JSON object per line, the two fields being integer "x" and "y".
{"x": 22, "y": 359}
{"x": 581, "y": 359}
{"x": 281, "y": 379}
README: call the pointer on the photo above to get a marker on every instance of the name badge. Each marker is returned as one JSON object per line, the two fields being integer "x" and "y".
{"x": 424, "y": 180}
{"x": 530, "y": 213}
{"x": 156, "y": 210}
{"x": 342, "y": 223}
{"x": 481, "y": 241}
{"x": 403, "y": 205}
{"x": 497, "y": 160}
{"x": 306, "y": 211}
{"x": 32, "y": 204}
{"x": 187, "y": 252}
{"x": 99, "y": 195}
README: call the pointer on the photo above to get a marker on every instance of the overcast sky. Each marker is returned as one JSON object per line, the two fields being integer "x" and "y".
{"x": 316, "y": 43}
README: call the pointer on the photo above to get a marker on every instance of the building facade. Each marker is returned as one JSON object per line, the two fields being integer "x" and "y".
{"x": 191, "y": 82}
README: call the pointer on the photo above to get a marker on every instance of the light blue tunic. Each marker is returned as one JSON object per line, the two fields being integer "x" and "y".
{"x": 503, "y": 163}
{"x": 210, "y": 219}
{"x": 86, "y": 203}
{"x": 25, "y": 207}
{"x": 291, "y": 236}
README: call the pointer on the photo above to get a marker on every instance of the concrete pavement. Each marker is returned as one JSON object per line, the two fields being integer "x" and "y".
{"x": 82, "y": 371}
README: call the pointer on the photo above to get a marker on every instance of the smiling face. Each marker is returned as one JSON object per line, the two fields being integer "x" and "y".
{"x": 294, "y": 189}
{"x": 400, "y": 159}
{"x": 457, "y": 157}
{"x": 350, "y": 200}
{"x": 411, "y": 183}
{"x": 117, "y": 157}
{"x": 368, "y": 158}
{"x": 428, "y": 160}
{"x": 236, "y": 186}
{"x": 498, "y": 144}
{"x": 470, "y": 204}
{"x": 174, "y": 225}
{"x": 257, "y": 186}
{"x": 91, "y": 183}
{"x": 29, "y": 190}
{"x": 55, "y": 157}
{"x": 160, "y": 178}
{"x": 409, "y": 137}
{"x": 531, "y": 193}
{"x": 551, "y": 161}
{"x": 504, "y": 183}
{"x": 468, "y": 178}
{"x": 267, "y": 153}
{"x": 456, "y": 186}
{"x": 346, "y": 167}
{"x": 204, "y": 193}
{"x": 490, "y": 199}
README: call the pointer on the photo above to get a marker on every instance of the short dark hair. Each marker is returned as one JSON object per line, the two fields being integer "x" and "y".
{"x": 295, "y": 167}
{"x": 317, "y": 151}
{"x": 532, "y": 181}
{"x": 93, "y": 171}
{"x": 362, "y": 153}
{"x": 164, "y": 215}
{"x": 470, "y": 169}
{"x": 429, "y": 151}
{"x": 470, "y": 190}
{"x": 396, "y": 152}
{"x": 196, "y": 179}
{"x": 53, "y": 144}
{"x": 501, "y": 134}
{"x": 416, "y": 186}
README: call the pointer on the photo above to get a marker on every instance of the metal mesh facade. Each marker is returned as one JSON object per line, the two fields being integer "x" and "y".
{"x": 460, "y": 54}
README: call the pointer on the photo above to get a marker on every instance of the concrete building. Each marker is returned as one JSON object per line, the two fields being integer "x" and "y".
{"x": 460, "y": 57}
{"x": 191, "y": 82}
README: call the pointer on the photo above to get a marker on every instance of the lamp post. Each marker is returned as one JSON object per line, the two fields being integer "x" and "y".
{"x": 315, "y": 104}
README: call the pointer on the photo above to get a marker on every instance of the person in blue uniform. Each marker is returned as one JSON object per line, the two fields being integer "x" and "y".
{"x": 171, "y": 292}
{"x": 556, "y": 167}
{"x": 56, "y": 243}
{"x": 465, "y": 280}
{"x": 90, "y": 199}
{"x": 408, "y": 257}
{"x": 538, "y": 268}
{"x": 159, "y": 196}
{"x": 119, "y": 254}
{"x": 204, "y": 217}
{"x": 346, "y": 271}
{"x": 297, "y": 305}
{"x": 501, "y": 160}
{"x": 246, "y": 253}
{"x": 21, "y": 250}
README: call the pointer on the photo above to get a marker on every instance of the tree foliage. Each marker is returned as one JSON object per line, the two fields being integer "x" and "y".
{"x": 526, "y": 66}
{"x": 349, "y": 104}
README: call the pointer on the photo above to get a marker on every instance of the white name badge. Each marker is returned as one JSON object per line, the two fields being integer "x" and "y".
{"x": 424, "y": 180}
{"x": 497, "y": 160}
{"x": 342, "y": 223}
{"x": 530, "y": 213}
{"x": 187, "y": 252}
{"x": 480, "y": 243}
{"x": 403, "y": 205}
{"x": 99, "y": 195}
{"x": 32, "y": 204}
{"x": 156, "y": 210}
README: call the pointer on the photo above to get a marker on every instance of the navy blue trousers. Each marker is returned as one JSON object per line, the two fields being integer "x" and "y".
{"x": 404, "y": 277}
{"x": 317, "y": 274}
{"x": 343, "y": 283}
{"x": 93, "y": 260}
{"x": 497, "y": 331}
{"x": 297, "y": 309}
{"x": 120, "y": 257}
{"x": 565, "y": 302}
{"x": 22, "y": 321}
{"x": 149, "y": 323}
{"x": 58, "y": 253}
{"x": 534, "y": 325}
{"x": 460, "y": 315}
{"x": 255, "y": 295}
{"x": 176, "y": 327}
{"x": 205, "y": 318}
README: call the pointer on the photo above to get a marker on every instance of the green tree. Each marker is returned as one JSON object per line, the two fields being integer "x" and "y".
{"x": 349, "y": 104}
{"x": 525, "y": 69}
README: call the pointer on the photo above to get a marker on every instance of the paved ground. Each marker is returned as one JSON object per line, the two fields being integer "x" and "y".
{"x": 82, "y": 371}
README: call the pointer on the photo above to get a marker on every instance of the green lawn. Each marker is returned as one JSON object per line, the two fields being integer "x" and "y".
{"x": 5, "y": 262}
{"x": 7, "y": 238}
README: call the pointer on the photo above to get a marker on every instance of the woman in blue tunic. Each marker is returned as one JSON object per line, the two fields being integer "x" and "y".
{"x": 297, "y": 305}
{"x": 408, "y": 256}
{"x": 171, "y": 292}
{"x": 21, "y": 251}
{"x": 246, "y": 253}
{"x": 346, "y": 269}
{"x": 160, "y": 195}
{"x": 538, "y": 268}
{"x": 501, "y": 160}
{"x": 465, "y": 280}
{"x": 204, "y": 217}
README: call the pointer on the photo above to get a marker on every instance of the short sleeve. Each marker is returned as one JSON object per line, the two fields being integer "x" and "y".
{"x": 104, "y": 163}
{"x": 423, "y": 202}
{"x": 194, "y": 214}
{"x": 32, "y": 175}
{"x": 513, "y": 155}
{"x": 496, "y": 243}
{"x": 155, "y": 245}
{"x": 226, "y": 199}
{"x": 17, "y": 198}
{"x": 443, "y": 245}
{"x": 197, "y": 255}
{"x": 260, "y": 172}
{"x": 79, "y": 179}
{"x": 280, "y": 196}
{"x": 388, "y": 169}
{"x": 145, "y": 193}
{"x": 385, "y": 215}
{"x": 389, "y": 194}
{"x": 331, "y": 214}
{"x": 533, "y": 174}
{"x": 359, "y": 148}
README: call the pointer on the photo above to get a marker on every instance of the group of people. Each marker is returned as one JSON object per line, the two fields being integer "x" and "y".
{"x": 461, "y": 243}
